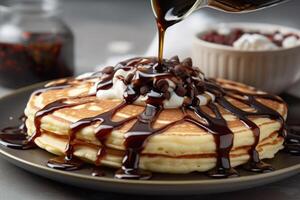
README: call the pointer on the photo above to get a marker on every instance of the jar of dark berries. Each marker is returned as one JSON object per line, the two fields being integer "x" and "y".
{"x": 35, "y": 44}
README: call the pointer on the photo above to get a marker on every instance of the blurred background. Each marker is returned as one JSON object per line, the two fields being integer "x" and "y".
{"x": 106, "y": 30}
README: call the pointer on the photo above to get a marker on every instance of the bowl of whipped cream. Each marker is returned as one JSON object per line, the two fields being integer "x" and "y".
{"x": 262, "y": 55}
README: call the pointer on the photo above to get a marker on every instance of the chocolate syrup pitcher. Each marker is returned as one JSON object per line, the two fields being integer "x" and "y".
{"x": 170, "y": 12}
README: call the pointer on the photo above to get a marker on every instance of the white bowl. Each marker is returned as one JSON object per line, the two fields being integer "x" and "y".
{"x": 273, "y": 71}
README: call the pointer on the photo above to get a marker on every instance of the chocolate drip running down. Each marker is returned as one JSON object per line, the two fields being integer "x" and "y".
{"x": 148, "y": 80}
{"x": 168, "y": 13}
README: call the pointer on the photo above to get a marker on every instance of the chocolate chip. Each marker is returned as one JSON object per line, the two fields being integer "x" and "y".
{"x": 187, "y": 62}
{"x": 144, "y": 90}
{"x": 162, "y": 85}
{"x": 180, "y": 70}
{"x": 195, "y": 73}
{"x": 180, "y": 90}
{"x": 175, "y": 59}
{"x": 200, "y": 86}
{"x": 108, "y": 70}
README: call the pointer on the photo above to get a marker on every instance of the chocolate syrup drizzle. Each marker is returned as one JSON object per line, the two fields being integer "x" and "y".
{"x": 149, "y": 80}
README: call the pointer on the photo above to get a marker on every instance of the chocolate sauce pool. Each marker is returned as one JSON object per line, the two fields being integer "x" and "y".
{"x": 146, "y": 80}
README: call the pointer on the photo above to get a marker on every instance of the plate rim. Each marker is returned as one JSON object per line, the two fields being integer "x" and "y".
{"x": 294, "y": 168}
{"x": 211, "y": 181}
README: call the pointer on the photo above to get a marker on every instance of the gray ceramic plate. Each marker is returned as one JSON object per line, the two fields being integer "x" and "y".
{"x": 34, "y": 161}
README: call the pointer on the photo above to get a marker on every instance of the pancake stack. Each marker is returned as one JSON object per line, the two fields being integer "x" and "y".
{"x": 218, "y": 125}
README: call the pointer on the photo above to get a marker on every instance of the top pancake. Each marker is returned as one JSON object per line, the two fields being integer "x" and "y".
{"x": 181, "y": 139}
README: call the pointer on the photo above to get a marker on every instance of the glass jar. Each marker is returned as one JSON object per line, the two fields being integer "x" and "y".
{"x": 35, "y": 44}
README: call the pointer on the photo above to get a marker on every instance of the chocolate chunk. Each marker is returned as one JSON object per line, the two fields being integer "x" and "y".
{"x": 144, "y": 90}
{"x": 187, "y": 62}
{"x": 180, "y": 90}
{"x": 162, "y": 85}
{"x": 108, "y": 70}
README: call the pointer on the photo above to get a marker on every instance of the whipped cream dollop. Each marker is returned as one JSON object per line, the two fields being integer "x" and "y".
{"x": 251, "y": 40}
{"x": 118, "y": 89}
{"x": 290, "y": 41}
{"x": 254, "y": 42}
{"x": 175, "y": 99}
